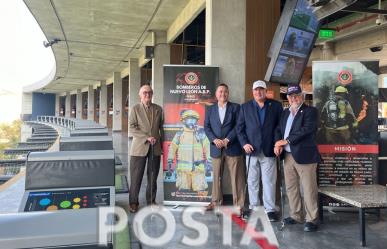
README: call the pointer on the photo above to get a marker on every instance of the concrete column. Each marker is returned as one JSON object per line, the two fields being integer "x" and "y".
{"x": 26, "y": 111}
{"x": 103, "y": 112}
{"x": 117, "y": 101}
{"x": 57, "y": 105}
{"x": 68, "y": 105}
{"x": 90, "y": 103}
{"x": 25, "y": 132}
{"x": 78, "y": 105}
{"x": 226, "y": 48}
{"x": 226, "y": 43}
{"x": 134, "y": 82}
{"x": 161, "y": 57}
{"x": 328, "y": 51}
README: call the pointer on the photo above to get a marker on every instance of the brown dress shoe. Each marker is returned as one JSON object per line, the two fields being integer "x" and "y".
{"x": 133, "y": 208}
{"x": 211, "y": 206}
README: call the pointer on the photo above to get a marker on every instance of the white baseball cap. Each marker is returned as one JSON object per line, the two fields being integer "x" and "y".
{"x": 259, "y": 83}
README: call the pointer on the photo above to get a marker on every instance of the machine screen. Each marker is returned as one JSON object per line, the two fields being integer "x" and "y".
{"x": 67, "y": 199}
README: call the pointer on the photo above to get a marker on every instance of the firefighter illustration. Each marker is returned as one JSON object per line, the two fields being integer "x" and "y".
{"x": 338, "y": 118}
{"x": 191, "y": 148}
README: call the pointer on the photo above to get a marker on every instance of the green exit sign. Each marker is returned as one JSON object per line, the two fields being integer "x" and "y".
{"x": 327, "y": 33}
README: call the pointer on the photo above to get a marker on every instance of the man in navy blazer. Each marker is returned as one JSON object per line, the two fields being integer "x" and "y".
{"x": 225, "y": 149}
{"x": 295, "y": 137}
{"x": 257, "y": 121}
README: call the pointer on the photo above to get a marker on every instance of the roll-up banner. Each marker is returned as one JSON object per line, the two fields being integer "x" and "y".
{"x": 346, "y": 95}
{"x": 186, "y": 149}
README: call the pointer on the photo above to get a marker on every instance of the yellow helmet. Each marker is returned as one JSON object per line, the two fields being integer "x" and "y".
{"x": 341, "y": 89}
{"x": 189, "y": 114}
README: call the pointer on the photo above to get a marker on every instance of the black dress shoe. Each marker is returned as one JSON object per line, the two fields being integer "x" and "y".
{"x": 211, "y": 206}
{"x": 310, "y": 227}
{"x": 272, "y": 216}
{"x": 246, "y": 214}
{"x": 290, "y": 221}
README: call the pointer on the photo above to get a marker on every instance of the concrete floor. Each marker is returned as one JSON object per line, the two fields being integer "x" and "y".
{"x": 340, "y": 230}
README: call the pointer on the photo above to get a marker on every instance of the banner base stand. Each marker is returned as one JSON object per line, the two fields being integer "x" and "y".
{"x": 177, "y": 204}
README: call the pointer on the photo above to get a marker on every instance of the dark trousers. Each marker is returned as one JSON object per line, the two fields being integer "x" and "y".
{"x": 137, "y": 168}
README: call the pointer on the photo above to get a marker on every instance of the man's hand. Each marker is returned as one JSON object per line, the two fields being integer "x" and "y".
{"x": 281, "y": 143}
{"x": 278, "y": 150}
{"x": 151, "y": 140}
{"x": 225, "y": 142}
{"x": 248, "y": 148}
{"x": 218, "y": 143}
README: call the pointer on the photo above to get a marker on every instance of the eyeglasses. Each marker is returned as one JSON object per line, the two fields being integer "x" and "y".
{"x": 147, "y": 92}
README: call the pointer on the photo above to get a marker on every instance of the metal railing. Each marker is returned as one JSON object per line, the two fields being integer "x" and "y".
{"x": 60, "y": 121}
{"x": 10, "y": 168}
{"x": 69, "y": 123}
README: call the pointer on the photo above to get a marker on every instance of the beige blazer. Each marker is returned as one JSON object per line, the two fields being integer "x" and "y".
{"x": 140, "y": 128}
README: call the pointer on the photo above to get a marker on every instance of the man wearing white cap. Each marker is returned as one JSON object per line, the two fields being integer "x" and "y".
{"x": 256, "y": 125}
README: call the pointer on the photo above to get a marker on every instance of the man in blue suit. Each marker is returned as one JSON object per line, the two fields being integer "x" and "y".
{"x": 257, "y": 121}
{"x": 225, "y": 149}
{"x": 295, "y": 137}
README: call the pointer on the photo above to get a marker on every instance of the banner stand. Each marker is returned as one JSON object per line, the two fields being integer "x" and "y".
{"x": 346, "y": 96}
{"x": 187, "y": 168}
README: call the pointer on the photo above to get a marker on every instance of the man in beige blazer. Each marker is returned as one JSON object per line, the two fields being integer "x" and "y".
{"x": 146, "y": 127}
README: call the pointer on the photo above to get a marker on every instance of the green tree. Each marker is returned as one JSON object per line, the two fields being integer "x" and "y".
{"x": 9, "y": 136}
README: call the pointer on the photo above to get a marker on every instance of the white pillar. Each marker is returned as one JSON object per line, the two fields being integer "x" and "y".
{"x": 103, "y": 111}
{"x": 161, "y": 57}
{"x": 226, "y": 43}
{"x": 57, "y": 104}
{"x": 90, "y": 103}
{"x": 68, "y": 105}
{"x": 117, "y": 101}
{"x": 78, "y": 105}
{"x": 26, "y": 111}
{"x": 328, "y": 51}
{"x": 134, "y": 82}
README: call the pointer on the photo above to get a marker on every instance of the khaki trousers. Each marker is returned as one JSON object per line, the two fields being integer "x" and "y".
{"x": 237, "y": 178}
{"x": 304, "y": 174}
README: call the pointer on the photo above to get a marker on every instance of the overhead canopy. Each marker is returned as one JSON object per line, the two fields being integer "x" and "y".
{"x": 97, "y": 37}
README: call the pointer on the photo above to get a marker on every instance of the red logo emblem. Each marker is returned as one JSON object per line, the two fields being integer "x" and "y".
{"x": 345, "y": 77}
{"x": 191, "y": 78}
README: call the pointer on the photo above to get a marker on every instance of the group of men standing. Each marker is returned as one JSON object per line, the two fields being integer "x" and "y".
{"x": 259, "y": 129}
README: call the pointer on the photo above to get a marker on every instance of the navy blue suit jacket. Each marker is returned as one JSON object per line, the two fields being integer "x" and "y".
{"x": 250, "y": 131}
{"x": 214, "y": 129}
{"x": 302, "y": 134}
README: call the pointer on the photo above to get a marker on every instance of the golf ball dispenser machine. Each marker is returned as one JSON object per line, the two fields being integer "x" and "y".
{"x": 63, "y": 193}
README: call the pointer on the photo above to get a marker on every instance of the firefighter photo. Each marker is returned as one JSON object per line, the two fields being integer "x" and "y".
{"x": 191, "y": 148}
{"x": 338, "y": 119}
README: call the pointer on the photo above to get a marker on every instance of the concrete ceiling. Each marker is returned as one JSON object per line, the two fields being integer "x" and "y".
{"x": 97, "y": 37}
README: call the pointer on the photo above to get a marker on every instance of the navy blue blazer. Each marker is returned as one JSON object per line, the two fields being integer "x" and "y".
{"x": 214, "y": 129}
{"x": 249, "y": 129}
{"x": 302, "y": 134}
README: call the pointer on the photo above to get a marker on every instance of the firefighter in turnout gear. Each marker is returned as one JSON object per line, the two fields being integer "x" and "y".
{"x": 338, "y": 118}
{"x": 191, "y": 148}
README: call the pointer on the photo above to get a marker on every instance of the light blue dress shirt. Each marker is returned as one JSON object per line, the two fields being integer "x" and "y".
{"x": 222, "y": 112}
{"x": 289, "y": 123}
